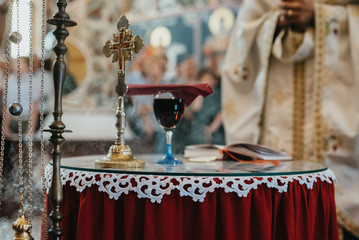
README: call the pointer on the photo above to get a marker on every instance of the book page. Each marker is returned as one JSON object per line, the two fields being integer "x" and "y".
{"x": 257, "y": 152}
{"x": 203, "y": 152}
{"x": 236, "y": 151}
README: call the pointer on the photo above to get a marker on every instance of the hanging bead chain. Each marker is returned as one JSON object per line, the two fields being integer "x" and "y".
{"x": 42, "y": 96}
{"x": 8, "y": 43}
{"x": 19, "y": 122}
{"x": 30, "y": 125}
{"x": 30, "y": 137}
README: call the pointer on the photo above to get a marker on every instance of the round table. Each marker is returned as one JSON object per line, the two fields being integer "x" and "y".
{"x": 213, "y": 200}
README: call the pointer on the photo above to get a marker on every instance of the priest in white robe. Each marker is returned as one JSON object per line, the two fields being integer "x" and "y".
{"x": 291, "y": 82}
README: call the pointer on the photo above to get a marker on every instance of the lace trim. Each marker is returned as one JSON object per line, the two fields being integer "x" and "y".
{"x": 155, "y": 187}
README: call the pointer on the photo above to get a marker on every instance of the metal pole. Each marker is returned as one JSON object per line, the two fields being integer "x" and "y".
{"x": 61, "y": 20}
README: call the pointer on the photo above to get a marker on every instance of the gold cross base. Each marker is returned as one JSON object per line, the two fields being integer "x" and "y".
{"x": 119, "y": 156}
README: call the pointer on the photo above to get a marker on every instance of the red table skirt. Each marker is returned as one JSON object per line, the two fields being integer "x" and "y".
{"x": 299, "y": 213}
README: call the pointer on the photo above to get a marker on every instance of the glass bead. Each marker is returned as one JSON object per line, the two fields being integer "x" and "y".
{"x": 15, "y": 109}
{"x": 15, "y": 37}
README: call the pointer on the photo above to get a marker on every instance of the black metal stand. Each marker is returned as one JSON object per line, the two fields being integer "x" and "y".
{"x": 61, "y": 20}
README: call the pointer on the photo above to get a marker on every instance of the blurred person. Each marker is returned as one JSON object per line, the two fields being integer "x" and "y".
{"x": 211, "y": 60}
{"x": 291, "y": 82}
{"x": 206, "y": 123}
{"x": 202, "y": 120}
{"x": 138, "y": 73}
{"x": 149, "y": 68}
{"x": 186, "y": 74}
{"x": 190, "y": 70}
{"x": 178, "y": 78}
{"x": 138, "y": 110}
{"x": 156, "y": 67}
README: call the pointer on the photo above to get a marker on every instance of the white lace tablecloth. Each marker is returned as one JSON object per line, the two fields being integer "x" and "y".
{"x": 155, "y": 187}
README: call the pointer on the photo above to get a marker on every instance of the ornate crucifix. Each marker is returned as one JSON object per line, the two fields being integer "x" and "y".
{"x": 121, "y": 47}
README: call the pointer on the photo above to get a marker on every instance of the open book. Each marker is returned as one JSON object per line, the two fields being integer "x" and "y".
{"x": 235, "y": 151}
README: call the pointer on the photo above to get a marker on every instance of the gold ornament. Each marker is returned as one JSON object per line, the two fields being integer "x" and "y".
{"x": 22, "y": 229}
{"x": 21, "y": 226}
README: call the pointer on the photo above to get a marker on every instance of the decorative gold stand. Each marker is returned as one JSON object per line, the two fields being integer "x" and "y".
{"x": 121, "y": 47}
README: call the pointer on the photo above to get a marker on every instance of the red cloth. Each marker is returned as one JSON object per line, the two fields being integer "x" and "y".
{"x": 298, "y": 214}
{"x": 188, "y": 91}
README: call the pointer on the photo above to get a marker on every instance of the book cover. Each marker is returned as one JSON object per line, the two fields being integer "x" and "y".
{"x": 235, "y": 151}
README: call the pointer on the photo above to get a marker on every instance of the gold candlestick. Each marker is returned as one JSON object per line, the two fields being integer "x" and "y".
{"x": 121, "y": 48}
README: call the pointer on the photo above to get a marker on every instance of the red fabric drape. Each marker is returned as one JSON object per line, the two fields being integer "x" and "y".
{"x": 187, "y": 91}
{"x": 298, "y": 214}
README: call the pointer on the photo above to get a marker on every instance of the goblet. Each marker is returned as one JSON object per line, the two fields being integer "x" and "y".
{"x": 168, "y": 108}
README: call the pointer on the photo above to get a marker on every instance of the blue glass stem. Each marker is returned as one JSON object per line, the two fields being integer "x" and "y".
{"x": 169, "y": 159}
{"x": 169, "y": 134}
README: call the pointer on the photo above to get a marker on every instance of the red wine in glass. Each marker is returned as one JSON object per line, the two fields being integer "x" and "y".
{"x": 168, "y": 111}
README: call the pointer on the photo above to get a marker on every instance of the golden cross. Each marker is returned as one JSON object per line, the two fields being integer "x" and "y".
{"x": 122, "y": 45}
{"x": 121, "y": 48}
